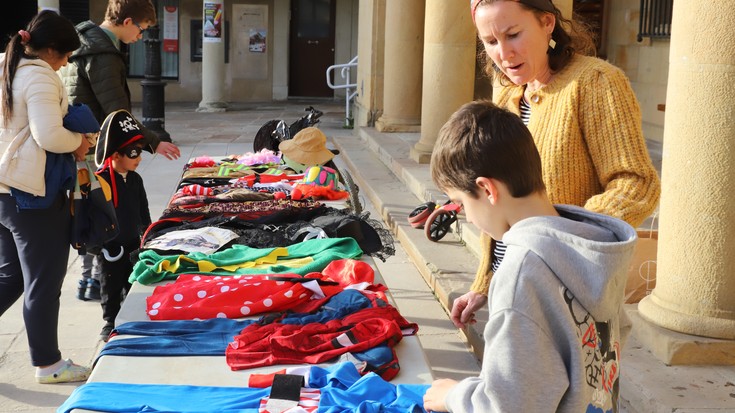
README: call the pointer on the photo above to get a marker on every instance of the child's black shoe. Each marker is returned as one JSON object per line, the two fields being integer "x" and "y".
{"x": 106, "y": 331}
{"x": 82, "y": 290}
{"x": 93, "y": 290}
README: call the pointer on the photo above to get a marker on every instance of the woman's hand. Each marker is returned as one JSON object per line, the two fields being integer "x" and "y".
{"x": 83, "y": 148}
{"x": 434, "y": 397}
{"x": 465, "y": 307}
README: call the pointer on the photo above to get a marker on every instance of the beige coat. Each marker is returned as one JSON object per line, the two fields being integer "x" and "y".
{"x": 39, "y": 106}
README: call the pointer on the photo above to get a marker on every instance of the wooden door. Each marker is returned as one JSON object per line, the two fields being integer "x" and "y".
{"x": 311, "y": 47}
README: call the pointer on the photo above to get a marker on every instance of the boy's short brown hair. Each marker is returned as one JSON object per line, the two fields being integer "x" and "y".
{"x": 482, "y": 140}
{"x": 138, "y": 10}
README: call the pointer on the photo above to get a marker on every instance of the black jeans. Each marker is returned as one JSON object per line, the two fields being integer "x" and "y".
{"x": 34, "y": 251}
{"x": 114, "y": 285}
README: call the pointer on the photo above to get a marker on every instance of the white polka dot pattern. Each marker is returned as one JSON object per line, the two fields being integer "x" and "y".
{"x": 196, "y": 296}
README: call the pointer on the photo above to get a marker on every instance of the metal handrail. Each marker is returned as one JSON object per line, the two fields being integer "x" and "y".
{"x": 350, "y": 88}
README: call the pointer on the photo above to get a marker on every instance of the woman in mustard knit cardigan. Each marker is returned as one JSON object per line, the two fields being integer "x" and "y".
{"x": 581, "y": 111}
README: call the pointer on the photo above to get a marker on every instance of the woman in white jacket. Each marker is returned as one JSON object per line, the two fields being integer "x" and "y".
{"x": 34, "y": 243}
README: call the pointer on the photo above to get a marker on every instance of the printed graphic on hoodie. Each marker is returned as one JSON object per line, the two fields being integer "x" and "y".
{"x": 601, "y": 356}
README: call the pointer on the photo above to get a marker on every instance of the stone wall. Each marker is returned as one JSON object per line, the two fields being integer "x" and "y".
{"x": 646, "y": 63}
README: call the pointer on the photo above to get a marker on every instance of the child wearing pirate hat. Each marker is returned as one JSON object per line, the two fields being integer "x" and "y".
{"x": 118, "y": 152}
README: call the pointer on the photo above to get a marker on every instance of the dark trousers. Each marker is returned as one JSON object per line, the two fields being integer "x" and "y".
{"x": 34, "y": 251}
{"x": 114, "y": 285}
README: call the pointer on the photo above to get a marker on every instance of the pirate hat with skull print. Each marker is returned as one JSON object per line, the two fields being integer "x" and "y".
{"x": 119, "y": 130}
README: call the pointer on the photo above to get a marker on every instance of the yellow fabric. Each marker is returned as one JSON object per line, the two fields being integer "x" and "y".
{"x": 207, "y": 266}
{"x": 587, "y": 127}
{"x": 292, "y": 263}
{"x": 270, "y": 259}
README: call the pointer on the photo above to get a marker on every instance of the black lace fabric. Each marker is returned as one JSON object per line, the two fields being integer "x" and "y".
{"x": 269, "y": 232}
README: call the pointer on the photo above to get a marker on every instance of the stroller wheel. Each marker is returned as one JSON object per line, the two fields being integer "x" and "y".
{"x": 417, "y": 218}
{"x": 439, "y": 223}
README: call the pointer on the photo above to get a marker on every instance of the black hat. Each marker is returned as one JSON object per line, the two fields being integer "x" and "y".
{"x": 120, "y": 129}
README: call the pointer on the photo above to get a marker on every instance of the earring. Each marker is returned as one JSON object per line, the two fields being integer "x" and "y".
{"x": 552, "y": 43}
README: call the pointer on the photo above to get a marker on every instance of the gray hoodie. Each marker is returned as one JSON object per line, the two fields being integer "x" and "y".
{"x": 556, "y": 321}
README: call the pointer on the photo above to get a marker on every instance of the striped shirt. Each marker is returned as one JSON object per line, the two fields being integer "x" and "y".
{"x": 499, "y": 251}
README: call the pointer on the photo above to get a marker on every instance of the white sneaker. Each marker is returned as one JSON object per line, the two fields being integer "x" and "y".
{"x": 68, "y": 373}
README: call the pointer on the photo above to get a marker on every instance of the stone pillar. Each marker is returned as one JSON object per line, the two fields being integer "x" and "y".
{"x": 695, "y": 288}
{"x": 449, "y": 69}
{"x": 49, "y": 5}
{"x": 281, "y": 16}
{"x": 213, "y": 65}
{"x": 404, "y": 29}
{"x": 370, "y": 50}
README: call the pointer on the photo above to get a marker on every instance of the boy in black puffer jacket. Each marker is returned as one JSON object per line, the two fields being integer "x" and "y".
{"x": 96, "y": 75}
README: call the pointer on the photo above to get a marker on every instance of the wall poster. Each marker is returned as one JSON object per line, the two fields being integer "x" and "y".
{"x": 213, "y": 19}
{"x": 170, "y": 29}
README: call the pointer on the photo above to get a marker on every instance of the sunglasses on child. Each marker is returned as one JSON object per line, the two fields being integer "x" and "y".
{"x": 131, "y": 152}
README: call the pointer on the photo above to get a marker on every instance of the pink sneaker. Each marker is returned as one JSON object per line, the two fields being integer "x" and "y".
{"x": 68, "y": 373}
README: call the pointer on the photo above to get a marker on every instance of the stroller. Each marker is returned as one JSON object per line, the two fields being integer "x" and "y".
{"x": 275, "y": 131}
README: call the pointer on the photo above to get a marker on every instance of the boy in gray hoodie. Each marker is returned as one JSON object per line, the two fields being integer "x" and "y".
{"x": 556, "y": 323}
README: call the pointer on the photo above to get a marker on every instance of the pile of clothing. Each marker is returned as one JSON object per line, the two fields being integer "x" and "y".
{"x": 252, "y": 266}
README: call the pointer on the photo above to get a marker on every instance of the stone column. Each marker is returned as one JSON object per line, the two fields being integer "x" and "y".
{"x": 404, "y": 49}
{"x": 49, "y": 5}
{"x": 695, "y": 289}
{"x": 449, "y": 69}
{"x": 213, "y": 67}
{"x": 370, "y": 51}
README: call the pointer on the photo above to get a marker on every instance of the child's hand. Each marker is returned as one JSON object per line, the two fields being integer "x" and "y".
{"x": 465, "y": 307}
{"x": 169, "y": 150}
{"x": 82, "y": 150}
{"x": 434, "y": 397}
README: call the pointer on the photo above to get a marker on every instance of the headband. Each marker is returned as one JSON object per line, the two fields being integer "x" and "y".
{"x": 25, "y": 37}
{"x": 543, "y": 5}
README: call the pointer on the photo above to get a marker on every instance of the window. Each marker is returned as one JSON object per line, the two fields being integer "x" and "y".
{"x": 169, "y": 39}
{"x": 655, "y": 19}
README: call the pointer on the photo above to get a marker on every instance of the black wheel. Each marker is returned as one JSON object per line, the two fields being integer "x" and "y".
{"x": 439, "y": 223}
{"x": 417, "y": 218}
{"x": 353, "y": 190}
{"x": 264, "y": 138}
